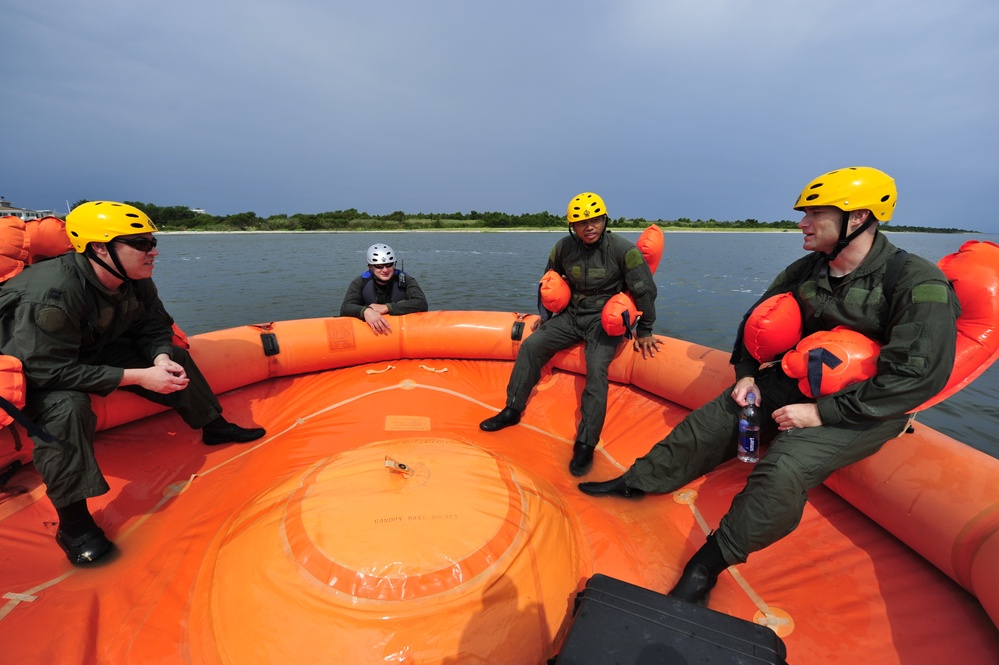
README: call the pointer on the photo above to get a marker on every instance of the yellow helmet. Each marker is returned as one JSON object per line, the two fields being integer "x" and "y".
{"x": 852, "y": 188}
{"x": 103, "y": 221}
{"x": 585, "y": 206}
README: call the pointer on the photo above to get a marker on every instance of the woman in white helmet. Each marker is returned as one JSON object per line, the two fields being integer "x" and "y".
{"x": 381, "y": 290}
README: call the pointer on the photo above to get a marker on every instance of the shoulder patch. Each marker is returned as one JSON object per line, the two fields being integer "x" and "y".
{"x": 922, "y": 293}
{"x": 50, "y": 319}
{"x": 633, "y": 258}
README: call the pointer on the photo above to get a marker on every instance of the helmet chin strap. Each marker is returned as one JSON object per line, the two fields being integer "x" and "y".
{"x": 844, "y": 239}
{"x": 120, "y": 273}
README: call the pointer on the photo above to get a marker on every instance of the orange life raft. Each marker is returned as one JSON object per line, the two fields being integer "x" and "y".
{"x": 377, "y": 522}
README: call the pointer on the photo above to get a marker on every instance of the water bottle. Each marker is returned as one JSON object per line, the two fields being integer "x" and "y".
{"x": 749, "y": 431}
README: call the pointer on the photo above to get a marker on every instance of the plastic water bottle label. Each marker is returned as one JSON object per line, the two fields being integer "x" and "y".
{"x": 749, "y": 441}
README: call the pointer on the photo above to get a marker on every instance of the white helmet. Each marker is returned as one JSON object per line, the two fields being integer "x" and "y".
{"x": 379, "y": 254}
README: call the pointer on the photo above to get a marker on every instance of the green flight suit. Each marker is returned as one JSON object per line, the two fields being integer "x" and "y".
{"x": 919, "y": 335}
{"x": 594, "y": 273}
{"x": 75, "y": 337}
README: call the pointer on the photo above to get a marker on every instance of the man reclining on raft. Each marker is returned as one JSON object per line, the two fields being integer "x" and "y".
{"x": 841, "y": 282}
{"x": 90, "y": 322}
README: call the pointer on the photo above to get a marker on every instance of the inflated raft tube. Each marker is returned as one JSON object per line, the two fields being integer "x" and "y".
{"x": 47, "y": 238}
{"x": 939, "y": 497}
{"x": 974, "y": 272}
{"x": 14, "y": 243}
{"x": 242, "y": 356}
{"x": 25, "y": 242}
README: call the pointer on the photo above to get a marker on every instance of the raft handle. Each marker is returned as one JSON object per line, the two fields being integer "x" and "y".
{"x": 518, "y": 331}
{"x": 271, "y": 347}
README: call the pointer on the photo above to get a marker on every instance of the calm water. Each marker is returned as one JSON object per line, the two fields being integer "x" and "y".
{"x": 706, "y": 282}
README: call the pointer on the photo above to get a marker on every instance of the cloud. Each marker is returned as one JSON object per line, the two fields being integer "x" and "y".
{"x": 717, "y": 109}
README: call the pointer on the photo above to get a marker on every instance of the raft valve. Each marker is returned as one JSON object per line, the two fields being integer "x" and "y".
{"x": 399, "y": 467}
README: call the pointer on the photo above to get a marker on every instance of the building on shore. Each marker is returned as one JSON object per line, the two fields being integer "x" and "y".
{"x": 9, "y": 210}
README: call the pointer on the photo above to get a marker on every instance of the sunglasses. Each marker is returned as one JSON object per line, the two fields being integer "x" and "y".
{"x": 141, "y": 244}
{"x": 383, "y": 266}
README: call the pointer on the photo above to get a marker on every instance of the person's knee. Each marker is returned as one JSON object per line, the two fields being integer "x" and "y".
{"x": 787, "y": 477}
{"x": 181, "y": 356}
{"x": 768, "y": 509}
{"x": 63, "y": 410}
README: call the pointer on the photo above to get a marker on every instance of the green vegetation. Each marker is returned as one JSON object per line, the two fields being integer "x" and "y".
{"x": 182, "y": 218}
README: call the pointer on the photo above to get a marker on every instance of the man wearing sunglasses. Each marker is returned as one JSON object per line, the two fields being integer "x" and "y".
{"x": 91, "y": 322}
{"x": 383, "y": 289}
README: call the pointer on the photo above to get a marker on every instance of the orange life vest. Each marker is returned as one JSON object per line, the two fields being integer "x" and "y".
{"x": 830, "y": 360}
{"x": 555, "y": 292}
{"x": 774, "y": 327}
{"x": 613, "y": 317}
{"x": 974, "y": 272}
{"x": 620, "y": 315}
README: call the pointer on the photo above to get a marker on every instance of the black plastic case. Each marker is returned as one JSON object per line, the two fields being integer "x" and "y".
{"x": 617, "y": 623}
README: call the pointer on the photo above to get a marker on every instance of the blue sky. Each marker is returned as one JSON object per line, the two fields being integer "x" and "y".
{"x": 701, "y": 109}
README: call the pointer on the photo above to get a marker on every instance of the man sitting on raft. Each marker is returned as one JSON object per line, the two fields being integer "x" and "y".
{"x": 842, "y": 282}
{"x": 383, "y": 289}
{"x": 90, "y": 322}
{"x": 597, "y": 265}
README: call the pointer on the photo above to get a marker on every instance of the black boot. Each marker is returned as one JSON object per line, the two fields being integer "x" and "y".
{"x": 701, "y": 573}
{"x": 79, "y": 536}
{"x": 582, "y": 459}
{"x": 222, "y": 431}
{"x": 613, "y": 487}
{"x": 86, "y": 548}
{"x": 508, "y": 416}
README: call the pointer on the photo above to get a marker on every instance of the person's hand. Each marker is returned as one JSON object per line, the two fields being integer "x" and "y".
{"x": 742, "y": 388}
{"x": 157, "y": 378}
{"x": 376, "y": 321}
{"x": 647, "y": 345}
{"x": 535, "y": 324}
{"x": 379, "y": 307}
{"x": 794, "y": 416}
{"x": 167, "y": 363}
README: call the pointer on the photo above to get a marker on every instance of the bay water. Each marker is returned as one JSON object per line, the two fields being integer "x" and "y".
{"x": 706, "y": 282}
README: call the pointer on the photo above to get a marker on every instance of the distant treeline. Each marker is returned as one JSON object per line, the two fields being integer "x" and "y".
{"x": 182, "y": 218}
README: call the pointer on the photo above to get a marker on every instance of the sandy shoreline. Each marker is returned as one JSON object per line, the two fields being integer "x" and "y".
{"x": 637, "y": 229}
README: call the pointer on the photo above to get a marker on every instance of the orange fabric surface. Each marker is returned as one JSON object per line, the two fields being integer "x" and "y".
{"x": 315, "y": 541}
